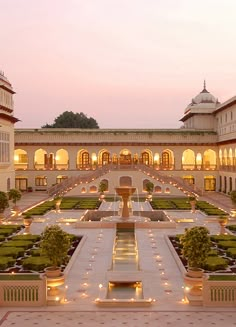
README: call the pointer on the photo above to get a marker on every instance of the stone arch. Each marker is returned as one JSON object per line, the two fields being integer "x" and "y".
{"x": 83, "y": 159}
{"x": 157, "y": 189}
{"x": 188, "y": 159}
{"x": 209, "y": 159}
{"x": 62, "y": 159}
{"x": 147, "y": 157}
{"x": 125, "y": 157}
{"x": 104, "y": 157}
{"x": 40, "y": 159}
{"x": 167, "y": 159}
{"x": 93, "y": 189}
{"x": 20, "y": 159}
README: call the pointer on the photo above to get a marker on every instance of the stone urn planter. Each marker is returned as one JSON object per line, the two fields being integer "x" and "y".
{"x": 222, "y": 220}
{"x": 52, "y": 272}
{"x": 195, "y": 272}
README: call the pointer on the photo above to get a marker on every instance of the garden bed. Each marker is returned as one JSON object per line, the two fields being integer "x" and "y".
{"x": 222, "y": 257}
{"x": 22, "y": 253}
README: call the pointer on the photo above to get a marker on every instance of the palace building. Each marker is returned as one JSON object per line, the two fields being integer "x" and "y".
{"x": 200, "y": 156}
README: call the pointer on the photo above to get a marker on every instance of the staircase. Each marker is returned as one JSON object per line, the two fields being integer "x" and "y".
{"x": 72, "y": 182}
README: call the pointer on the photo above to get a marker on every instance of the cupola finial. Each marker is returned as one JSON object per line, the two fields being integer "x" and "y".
{"x": 204, "y": 85}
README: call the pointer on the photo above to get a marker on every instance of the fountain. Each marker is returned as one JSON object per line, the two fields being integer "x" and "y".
{"x": 125, "y": 192}
{"x": 125, "y": 279}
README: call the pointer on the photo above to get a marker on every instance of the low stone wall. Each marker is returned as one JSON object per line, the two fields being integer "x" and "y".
{"x": 23, "y": 293}
{"x": 218, "y": 293}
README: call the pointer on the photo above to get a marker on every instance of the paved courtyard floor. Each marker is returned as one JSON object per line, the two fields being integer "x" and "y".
{"x": 162, "y": 281}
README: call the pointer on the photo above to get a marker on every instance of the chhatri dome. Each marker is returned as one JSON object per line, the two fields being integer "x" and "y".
{"x": 204, "y": 100}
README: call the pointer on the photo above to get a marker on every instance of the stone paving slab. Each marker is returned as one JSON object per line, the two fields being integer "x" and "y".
{"x": 119, "y": 318}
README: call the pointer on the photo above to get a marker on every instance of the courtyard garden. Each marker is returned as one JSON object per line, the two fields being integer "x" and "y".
{"x": 24, "y": 252}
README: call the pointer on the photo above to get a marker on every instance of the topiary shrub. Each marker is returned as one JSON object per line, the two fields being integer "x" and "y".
{"x": 55, "y": 244}
{"x": 196, "y": 246}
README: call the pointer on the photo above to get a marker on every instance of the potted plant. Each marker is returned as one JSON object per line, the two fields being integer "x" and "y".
{"x": 55, "y": 244}
{"x": 14, "y": 195}
{"x": 196, "y": 246}
{"x": 149, "y": 188}
{"x": 222, "y": 220}
{"x": 27, "y": 220}
{"x": 101, "y": 189}
{"x": 4, "y": 203}
{"x": 58, "y": 200}
{"x": 192, "y": 200}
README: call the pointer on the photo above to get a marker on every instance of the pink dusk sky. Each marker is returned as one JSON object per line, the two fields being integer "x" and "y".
{"x": 126, "y": 63}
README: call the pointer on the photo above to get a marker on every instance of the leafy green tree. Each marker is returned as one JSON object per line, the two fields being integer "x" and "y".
{"x": 149, "y": 187}
{"x": 4, "y": 203}
{"x": 55, "y": 244}
{"x": 233, "y": 196}
{"x": 69, "y": 119}
{"x": 196, "y": 246}
{"x": 14, "y": 195}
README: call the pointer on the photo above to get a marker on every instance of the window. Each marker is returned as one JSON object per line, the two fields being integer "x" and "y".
{"x": 4, "y": 147}
{"x": 41, "y": 181}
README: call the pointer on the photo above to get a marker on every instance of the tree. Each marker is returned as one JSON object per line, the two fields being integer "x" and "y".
{"x": 149, "y": 187}
{"x": 14, "y": 195}
{"x": 69, "y": 119}
{"x": 55, "y": 244}
{"x": 3, "y": 201}
{"x": 233, "y": 196}
{"x": 196, "y": 246}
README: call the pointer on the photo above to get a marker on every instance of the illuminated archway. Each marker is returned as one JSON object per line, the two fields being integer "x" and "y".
{"x": 147, "y": 157}
{"x": 41, "y": 159}
{"x": 125, "y": 157}
{"x": 20, "y": 159}
{"x": 167, "y": 159}
{"x": 62, "y": 159}
{"x": 83, "y": 159}
{"x": 103, "y": 157}
{"x": 188, "y": 159}
{"x": 209, "y": 159}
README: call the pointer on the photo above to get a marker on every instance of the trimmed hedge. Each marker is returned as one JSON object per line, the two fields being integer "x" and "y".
{"x": 28, "y": 237}
{"x": 215, "y": 263}
{"x": 20, "y": 244}
{"x": 6, "y": 262}
{"x": 231, "y": 252}
{"x": 227, "y": 244}
{"x": 218, "y": 238}
{"x": 13, "y": 252}
{"x": 37, "y": 263}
